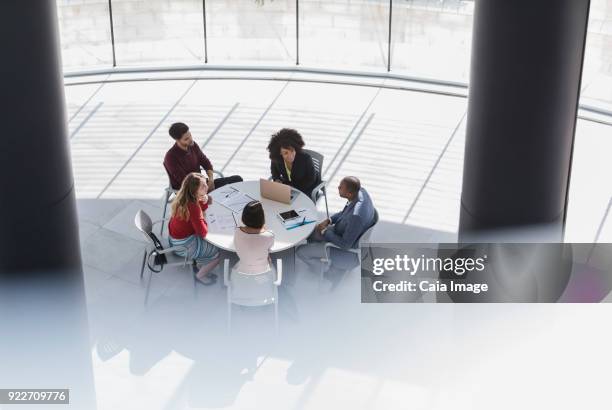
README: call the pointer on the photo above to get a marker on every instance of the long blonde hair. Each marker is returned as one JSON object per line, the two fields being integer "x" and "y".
{"x": 186, "y": 195}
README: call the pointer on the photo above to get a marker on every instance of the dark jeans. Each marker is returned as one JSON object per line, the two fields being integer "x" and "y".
{"x": 219, "y": 182}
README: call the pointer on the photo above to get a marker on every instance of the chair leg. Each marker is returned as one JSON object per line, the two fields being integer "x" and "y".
{"x": 326, "y": 208}
{"x": 148, "y": 288}
{"x": 322, "y": 271}
{"x": 144, "y": 259}
{"x": 195, "y": 286}
{"x": 325, "y": 263}
{"x": 276, "y": 315}
{"x": 370, "y": 254}
{"x": 165, "y": 206}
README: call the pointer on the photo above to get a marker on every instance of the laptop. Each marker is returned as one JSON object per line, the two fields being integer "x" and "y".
{"x": 277, "y": 191}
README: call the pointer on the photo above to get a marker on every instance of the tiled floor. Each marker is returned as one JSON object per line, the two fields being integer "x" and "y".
{"x": 332, "y": 351}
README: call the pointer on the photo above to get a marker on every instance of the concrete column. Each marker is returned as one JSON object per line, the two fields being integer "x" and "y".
{"x": 523, "y": 96}
{"x": 43, "y": 319}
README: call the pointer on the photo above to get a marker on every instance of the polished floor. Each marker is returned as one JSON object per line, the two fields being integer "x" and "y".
{"x": 332, "y": 351}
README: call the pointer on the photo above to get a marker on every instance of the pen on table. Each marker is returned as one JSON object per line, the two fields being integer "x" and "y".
{"x": 300, "y": 224}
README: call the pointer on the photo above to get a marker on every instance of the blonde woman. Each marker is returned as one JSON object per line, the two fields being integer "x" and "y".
{"x": 188, "y": 227}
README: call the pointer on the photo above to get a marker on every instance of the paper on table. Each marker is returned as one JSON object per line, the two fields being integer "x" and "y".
{"x": 220, "y": 194}
{"x": 236, "y": 202}
{"x": 221, "y": 222}
{"x": 231, "y": 198}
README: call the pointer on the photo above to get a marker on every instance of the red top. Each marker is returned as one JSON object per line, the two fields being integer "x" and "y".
{"x": 179, "y": 163}
{"x": 196, "y": 224}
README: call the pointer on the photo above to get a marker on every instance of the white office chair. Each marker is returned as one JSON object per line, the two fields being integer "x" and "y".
{"x": 152, "y": 250}
{"x": 169, "y": 193}
{"x": 245, "y": 289}
{"x": 364, "y": 238}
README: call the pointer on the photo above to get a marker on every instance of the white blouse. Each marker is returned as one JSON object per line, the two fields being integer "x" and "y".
{"x": 253, "y": 250}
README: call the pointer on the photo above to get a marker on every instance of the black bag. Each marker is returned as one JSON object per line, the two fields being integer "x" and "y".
{"x": 159, "y": 259}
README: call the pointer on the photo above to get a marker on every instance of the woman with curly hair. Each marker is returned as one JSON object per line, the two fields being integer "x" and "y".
{"x": 289, "y": 164}
{"x": 188, "y": 227}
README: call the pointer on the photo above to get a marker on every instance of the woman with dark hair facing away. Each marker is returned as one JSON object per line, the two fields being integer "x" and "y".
{"x": 289, "y": 164}
{"x": 253, "y": 241}
{"x": 188, "y": 227}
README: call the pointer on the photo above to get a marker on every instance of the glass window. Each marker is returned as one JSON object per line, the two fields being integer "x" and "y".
{"x": 158, "y": 31}
{"x": 344, "y": 34}
{"x": 251, "y": 31}
{"x": 597, "y": 70}
{"x": 432, "y": 38}
{"x": 84, "y": 33}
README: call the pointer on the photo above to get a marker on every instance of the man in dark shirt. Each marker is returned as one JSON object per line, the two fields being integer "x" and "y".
{"x": 185, "y": 156}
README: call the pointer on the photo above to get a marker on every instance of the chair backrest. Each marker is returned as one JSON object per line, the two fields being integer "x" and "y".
{"x": 317, "y": 160}
{"x": 365, "y": 237}
{"x": 144, "y": 224}
{"x": 252, "y": 289}
{"x": 168, "y": 175}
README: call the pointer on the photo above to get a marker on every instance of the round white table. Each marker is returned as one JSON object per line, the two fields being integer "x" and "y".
{"x": 283, "y": 238}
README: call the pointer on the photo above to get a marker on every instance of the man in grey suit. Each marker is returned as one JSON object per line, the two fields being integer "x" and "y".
{"x": 343, "y": 229}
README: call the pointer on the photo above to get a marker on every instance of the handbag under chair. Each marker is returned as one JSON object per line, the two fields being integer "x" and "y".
{"x": 156, "y": 256}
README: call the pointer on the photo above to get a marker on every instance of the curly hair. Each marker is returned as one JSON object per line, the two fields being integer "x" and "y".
{"x": 285, "y": 138}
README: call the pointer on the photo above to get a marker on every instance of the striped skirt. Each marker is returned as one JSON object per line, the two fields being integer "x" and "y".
{"x": 197, "y": 248}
